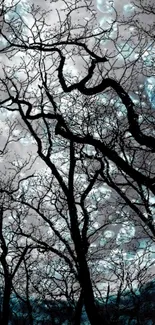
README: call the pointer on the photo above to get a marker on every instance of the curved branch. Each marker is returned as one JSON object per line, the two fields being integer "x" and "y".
{"x": 134, "y": 127}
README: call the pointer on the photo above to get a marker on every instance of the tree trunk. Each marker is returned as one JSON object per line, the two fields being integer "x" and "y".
{"x": 89, "y": 301}
{"x": 78, "y": 310}
{"x": 86, "y": 286}
{"x": 30, "y": 317}
{"x": 6, "y": 302}
{"x": 83, "y": 269}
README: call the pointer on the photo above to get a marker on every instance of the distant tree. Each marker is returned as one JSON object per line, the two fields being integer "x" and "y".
{"x": 126, "y": 292}
{"x": 12, "y": 249}
{"x": 11, "y": 258}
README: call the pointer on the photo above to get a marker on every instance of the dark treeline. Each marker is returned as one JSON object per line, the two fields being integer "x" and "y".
{"x": 132, "y": 308}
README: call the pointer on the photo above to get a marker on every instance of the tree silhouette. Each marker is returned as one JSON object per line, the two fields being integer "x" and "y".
{"x": 95, "y": 140}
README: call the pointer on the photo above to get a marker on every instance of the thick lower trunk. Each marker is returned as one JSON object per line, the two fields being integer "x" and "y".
{"x": 30, "y": 318}
{"x": 6, "y": 303}
{"x": 78, "y": 310}
{"x": 88, "y": 295}
{"x": 83, "y": 269}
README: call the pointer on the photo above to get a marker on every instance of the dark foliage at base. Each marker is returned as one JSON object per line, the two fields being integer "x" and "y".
{"x": 133, "y": 308}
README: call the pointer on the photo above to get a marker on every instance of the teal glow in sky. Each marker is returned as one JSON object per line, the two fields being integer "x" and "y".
{"x": 150, "y": 90}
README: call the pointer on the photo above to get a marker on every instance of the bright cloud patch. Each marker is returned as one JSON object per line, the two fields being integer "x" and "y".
{"x": 126, "y": 233}
{"x": 150, "y": 90}
{"x": 104, "y": 6}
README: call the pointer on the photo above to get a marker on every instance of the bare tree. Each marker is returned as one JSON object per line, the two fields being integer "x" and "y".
{"x": 88, "y": 132}
{"x": 12, "y": 255}
{"x": 13, "y": 249}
